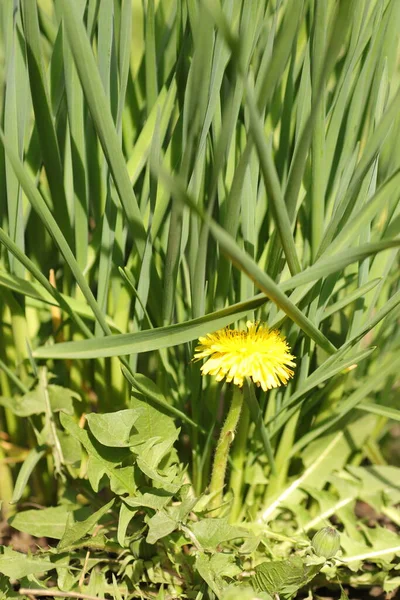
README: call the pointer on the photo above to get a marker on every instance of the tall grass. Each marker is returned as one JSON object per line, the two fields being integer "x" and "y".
{"x": 169, "y": 168}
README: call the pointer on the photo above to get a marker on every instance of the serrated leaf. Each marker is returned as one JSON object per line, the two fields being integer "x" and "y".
{"x": 102, "y": 460}
{"x": 160, "y": 525}
{"x": 155, "y": 499}
{"x": 213, "y": 580}
{"x": 212, "y": 532}
{"x": 74, "y": 532}
{"x": 283, "y": 577}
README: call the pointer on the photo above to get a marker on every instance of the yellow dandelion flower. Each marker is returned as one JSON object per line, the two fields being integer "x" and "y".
{"x": 259, "y": 353}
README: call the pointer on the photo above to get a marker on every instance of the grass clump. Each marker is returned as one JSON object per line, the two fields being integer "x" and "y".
{"x": 169, "y": 169}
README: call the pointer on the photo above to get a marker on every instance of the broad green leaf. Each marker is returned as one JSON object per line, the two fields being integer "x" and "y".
{"x": 216, "y": 568}
{"x": 160, "y": 525}
{"x": 102, "y": 461}
{"x": 113, "y": 429}
{"x": 48, "y": 522}
{"x": 151, "y": 424}
{"x": 213, "y": 579}
{"x": 33, "y": 403}
{"x": 243, "y": 593}
{"x": 16, "y": 564}
{"x": 285, "y": 576}
{"x": 61, "y": 398}
{"x": 212, "y": 532}
{"x": 155, "y": 499}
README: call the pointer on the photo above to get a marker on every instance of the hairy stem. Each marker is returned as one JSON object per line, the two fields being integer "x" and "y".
{"x": 222, "y": 452}
{"x": 238, "y": 462}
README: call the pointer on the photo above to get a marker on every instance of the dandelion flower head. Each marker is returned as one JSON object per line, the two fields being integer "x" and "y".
{"x": 259, "y": 353}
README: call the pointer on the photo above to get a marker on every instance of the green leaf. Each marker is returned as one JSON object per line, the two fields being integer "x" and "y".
{"x": 33, "y": 403}
{"x": 25, "y": 472}
{"x": 148, "y": 388}
{"x": 213, "y": 579}
{"x": 284, "y": 577}
{"x": 75, "y": 532}
{"x": 378, "y": 409}
{"x": 246, "y": 263}
{"x": 61, "y": 398}
{"x": 212, "y": 532}
{"x": 151, "y": 424}
{"x": 44, "y": 118}
{"x": 40, "y": 295}
{"x": 243, "y": 592}
{"x": 126, "y": 514}
{"x": 160, "y": 525}
{"x": 48, "y": 522}
{"x": 16, "y": 564}
{"x": 155, "y": 499}
{"x": 102, "y": 460}
{"x": 113, "y": 429}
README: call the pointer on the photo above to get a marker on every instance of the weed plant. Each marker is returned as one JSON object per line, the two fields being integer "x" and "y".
{"x": 168, "y": 169}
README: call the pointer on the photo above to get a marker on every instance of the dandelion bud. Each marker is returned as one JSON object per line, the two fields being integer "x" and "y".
{"x": 326, "y": 542}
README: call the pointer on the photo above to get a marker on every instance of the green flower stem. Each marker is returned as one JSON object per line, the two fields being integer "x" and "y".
{"x": 222, "y": 452}
{"x": 238, "y": 461}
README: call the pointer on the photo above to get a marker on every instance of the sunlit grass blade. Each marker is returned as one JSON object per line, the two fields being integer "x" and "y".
{"x": 42, "y": 297}
{"x": 44, "y": 118}
{"x": 247, "y": 264}
{"x": 154, "y": 339}
{"x": 379, "y": 409}
{"x": 38, "y": 275}
{"x": 350, "y": 403}
{"x": 94, "y": 93}
{"x": 53, "y": 228}
{"x": 358, "y": 293}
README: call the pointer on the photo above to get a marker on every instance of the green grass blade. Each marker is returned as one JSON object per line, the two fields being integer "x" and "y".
{"x": 257, "y": 417}
{"x": 154, "y": 339}
{"x": 44, "y": 118}
{"x": 53, "y": 228}
{"x": 378, "y": 409}
{"x": 349, "y": 403}
{"x": 343, "y": 302}
{"x": 95, "y": 97}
